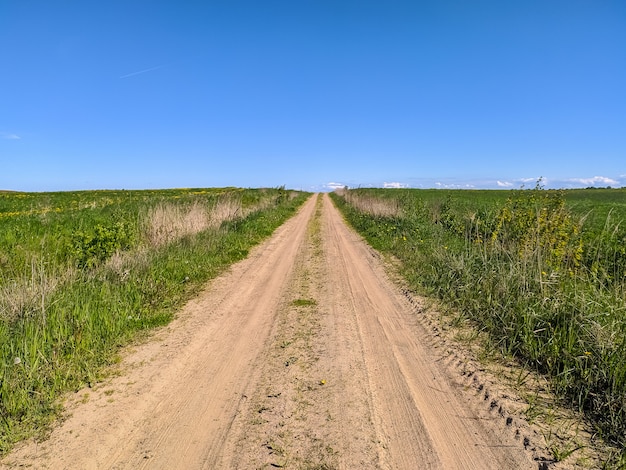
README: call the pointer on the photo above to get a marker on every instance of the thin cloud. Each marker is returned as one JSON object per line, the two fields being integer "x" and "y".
{"x": 139, "y": 72}
{"x": 441, "y": 185}
{"x": 486, "y": 183}
{"x": 7, "y": 136}
{"x": 395, "y": 185}
{"x": 532, "y": 182}
{"x": 334, "y": 186}
{"x": 595, "y": 180}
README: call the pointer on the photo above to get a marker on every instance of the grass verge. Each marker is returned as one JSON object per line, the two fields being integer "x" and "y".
{"x": 77, "y": 328}
{"x": 526, "y": 270}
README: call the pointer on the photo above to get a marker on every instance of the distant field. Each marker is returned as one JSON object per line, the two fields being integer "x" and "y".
{"x": 595, "y": 203}
{"x": 47, "y": 226}
{"x": 542, "y": 272}
{"x": 82, "y": 272}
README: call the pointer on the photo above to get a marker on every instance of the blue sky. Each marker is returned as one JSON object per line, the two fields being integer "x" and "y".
{"x": 312, "y": 94}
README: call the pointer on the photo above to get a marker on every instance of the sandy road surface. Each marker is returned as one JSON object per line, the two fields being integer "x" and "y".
{"x": 302, "y": 356}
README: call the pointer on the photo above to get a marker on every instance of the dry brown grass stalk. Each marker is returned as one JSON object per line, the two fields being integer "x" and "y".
{"x": 372, "y": 205}
{"x": 166, "y": 223}
{"x": 27, "y": 294}
{"x": 225, "y": 209}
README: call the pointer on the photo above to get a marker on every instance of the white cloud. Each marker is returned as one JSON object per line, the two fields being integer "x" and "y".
{"x": 542, "y": 180}
{"x": 395, "y": 185}
{"x": 334, "y": 186}
{"x": 487, "y": 183}
{"x": 7, "y": 136}
{"x": 595, "y": 180}
{"x": 441, "y": 185}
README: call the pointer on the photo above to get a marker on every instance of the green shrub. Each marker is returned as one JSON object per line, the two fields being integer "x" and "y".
{"x": 90, "y": 247}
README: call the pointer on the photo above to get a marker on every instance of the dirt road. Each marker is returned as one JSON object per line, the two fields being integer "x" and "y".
{"x": 302, "y": 356}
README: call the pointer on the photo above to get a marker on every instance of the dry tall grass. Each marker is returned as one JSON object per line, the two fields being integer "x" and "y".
{"x": 374, "y": 206}
{"x": 168, "y": 222}
{"x": 28, "y": 293}
{"x": 226, "y": 209}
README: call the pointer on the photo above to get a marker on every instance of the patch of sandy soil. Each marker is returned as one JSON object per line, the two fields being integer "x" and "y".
{"x": 304, "y": 355}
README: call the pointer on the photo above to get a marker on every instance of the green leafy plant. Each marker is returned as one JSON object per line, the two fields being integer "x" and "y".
{"x": 90, "y": 247}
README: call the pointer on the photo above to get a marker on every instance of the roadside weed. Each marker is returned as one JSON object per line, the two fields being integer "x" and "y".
{"x": 539, "y": 271}
{"x": 82, "y": 273}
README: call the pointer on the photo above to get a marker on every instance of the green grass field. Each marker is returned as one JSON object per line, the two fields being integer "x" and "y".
{"x": 81, "y": 273}
{"x": 543, "y": 273}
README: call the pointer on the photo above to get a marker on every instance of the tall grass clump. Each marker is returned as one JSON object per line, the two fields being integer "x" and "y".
{"x": 167, "y": 222}
{"x": 371, "y": 205}
{"x": 546, "y": 285}
{"x": 114, "y": 268}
